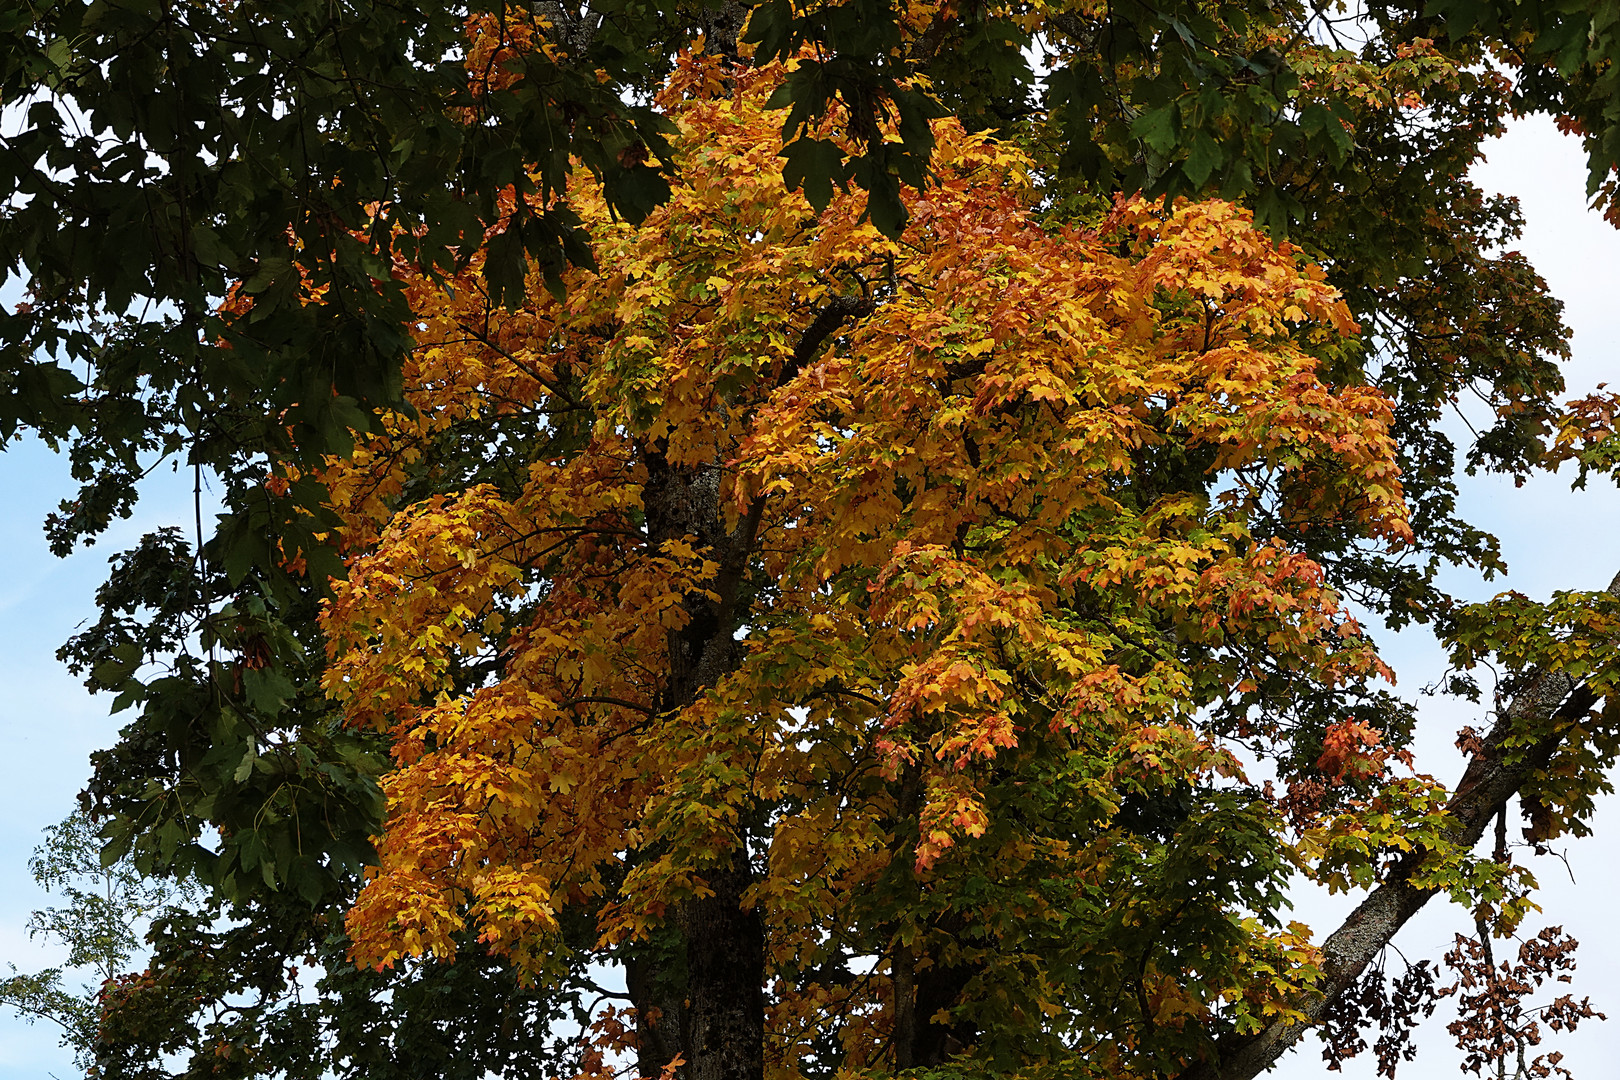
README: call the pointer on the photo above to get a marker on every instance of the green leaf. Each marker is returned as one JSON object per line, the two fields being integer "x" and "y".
{"x": 1157, "y": 128}
{"x": 815, "y": 165}
{"x": 267, "y": 690}
{"x": 1203, "y": 159}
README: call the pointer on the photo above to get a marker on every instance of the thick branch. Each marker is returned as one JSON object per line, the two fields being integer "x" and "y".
{"x": 597, "y": 699}
{"x": 570, "y": 28}
{"x": 826, "y": 323}
{"x": 1494, "y": 775}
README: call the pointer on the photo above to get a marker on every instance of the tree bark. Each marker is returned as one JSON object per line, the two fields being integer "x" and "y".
{"x": 651, "y": 981}
{"x": 706, "y": 988}
{"x": 725, "y": 1012}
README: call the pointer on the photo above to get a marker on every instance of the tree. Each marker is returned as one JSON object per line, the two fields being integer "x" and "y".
{"x": 106, "y": 907}
{"x": 863, "y": 639}
{"x": 1365, "y": 148}
{"x": 161, "y": 152}
{"x": 1390, "y": 214}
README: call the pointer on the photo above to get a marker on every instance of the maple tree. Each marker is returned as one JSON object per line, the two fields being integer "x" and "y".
{"x": 862, "y": 638}
{"x": 952, "y": 864}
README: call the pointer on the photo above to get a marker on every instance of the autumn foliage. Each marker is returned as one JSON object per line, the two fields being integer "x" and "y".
{"x": 906, "y": 602}
{"x": 817, "y": 538}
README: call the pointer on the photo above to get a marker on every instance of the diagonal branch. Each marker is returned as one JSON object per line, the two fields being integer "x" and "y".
{"x": 828, "y": 320}
{"x": 1491, "y": 779}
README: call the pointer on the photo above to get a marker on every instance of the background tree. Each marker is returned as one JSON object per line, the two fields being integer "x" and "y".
{"x": 107, "y": 909}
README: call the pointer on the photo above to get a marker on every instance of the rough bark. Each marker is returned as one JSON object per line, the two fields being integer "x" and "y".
{"x": 1492, "y": 777}
{"x": 938, "y": 988}
{"x": 919, "y": 996}
{"x": 708, "y": 987}
{"x": 903, "y": 972}
{"x": 725, "y": 1010}
{"x": 659, "y": 1001}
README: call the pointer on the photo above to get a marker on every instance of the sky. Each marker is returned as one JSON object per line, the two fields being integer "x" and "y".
{"x": 1553, "y": 539}
{"x": 48, "y": 723}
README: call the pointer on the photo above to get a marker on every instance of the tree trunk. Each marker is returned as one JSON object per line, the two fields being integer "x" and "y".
{"x": 720, "y": 958}
{"x": 706, "y": 987}
{"x": 725, "y": 965}
{"x": 655, "y": 989}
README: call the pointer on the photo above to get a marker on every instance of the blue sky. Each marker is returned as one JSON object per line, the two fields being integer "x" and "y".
{"x": 48, "y": 723}
{"x": 1553, "y": 539}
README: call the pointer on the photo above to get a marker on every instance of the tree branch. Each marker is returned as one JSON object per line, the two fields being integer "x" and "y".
{"x": 822, "y": 327}
{"x": 598, "y": 699}
{"x": 1489, "y": 781}
{"x": 569, "y": 28}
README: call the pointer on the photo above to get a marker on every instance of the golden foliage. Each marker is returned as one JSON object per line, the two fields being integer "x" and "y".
{"x": 998, "y": 486}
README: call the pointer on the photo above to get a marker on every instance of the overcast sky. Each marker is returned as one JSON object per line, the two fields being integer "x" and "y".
{"x": 1553, "y": 539}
